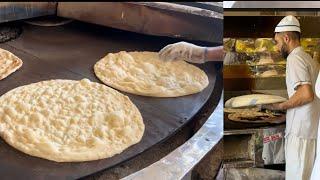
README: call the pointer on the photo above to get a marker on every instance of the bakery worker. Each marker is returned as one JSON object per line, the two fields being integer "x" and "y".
{"x": 191, "y": 53}
{"x": 303, "y": 108}
{"x": 316, "y": 167}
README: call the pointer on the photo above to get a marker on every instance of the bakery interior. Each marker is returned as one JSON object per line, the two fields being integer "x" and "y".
{"x": 63, "y": 40}
{"x": 255, "y": 67}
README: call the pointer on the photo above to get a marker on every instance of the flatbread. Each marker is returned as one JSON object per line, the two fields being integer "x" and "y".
{"x": 233, "y": 110}
{"x": 68, "y": 121}
{"x": 143, "y": 73}
{"x": 9, "y": 63}
{"x": 253, "y": 100}
{"x": 265, "y": 61}
{"x": 256, "y": 117}
{"x": 249, "y": 115}
{"x": 269, "y": 73}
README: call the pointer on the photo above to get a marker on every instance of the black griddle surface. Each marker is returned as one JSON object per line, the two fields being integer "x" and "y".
{"x": 69, "y": 52}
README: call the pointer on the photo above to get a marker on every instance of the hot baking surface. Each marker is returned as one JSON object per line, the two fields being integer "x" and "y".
{"x": 69, "y": 52}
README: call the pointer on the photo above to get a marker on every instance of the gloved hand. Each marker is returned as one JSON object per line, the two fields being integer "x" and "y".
{"x": 185, "y": 51}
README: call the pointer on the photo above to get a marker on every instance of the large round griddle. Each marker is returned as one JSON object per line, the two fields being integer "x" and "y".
{"x": 69, "y": 52}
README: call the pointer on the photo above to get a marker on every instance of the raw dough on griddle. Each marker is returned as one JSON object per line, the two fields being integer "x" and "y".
{"x": 68, "y": 120}
{"x": 253, "y": 100}
{"x": 143, "y": 73}
{"x": 9, "y": 63}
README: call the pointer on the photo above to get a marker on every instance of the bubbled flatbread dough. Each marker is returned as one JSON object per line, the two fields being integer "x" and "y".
{"x": 143, "y": 73}
{"x": 253, "y": 100}
{"x": 9, "y": 63}
{"x": 67, "y": 120}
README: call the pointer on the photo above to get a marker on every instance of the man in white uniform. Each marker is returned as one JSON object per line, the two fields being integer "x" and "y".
{"x": 303, "y": 109}
{"x": 316, "y": 168}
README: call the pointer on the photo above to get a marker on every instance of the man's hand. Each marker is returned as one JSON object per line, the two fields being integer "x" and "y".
{"x": 272, "y": 107}
{"x": 185, "y": 51}
{"x": 303, "y": 95}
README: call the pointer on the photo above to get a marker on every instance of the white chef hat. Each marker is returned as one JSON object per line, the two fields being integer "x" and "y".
{"x": 288, "y": 23}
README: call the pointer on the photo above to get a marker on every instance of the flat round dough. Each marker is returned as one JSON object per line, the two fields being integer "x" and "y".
{"x": 253, "y": 100}
{"x": 143, "y": 73}
{"x": 233, "y": 110}
{"x": 249, "y": 116}
{"x": 265, "y": 61}
{"x": 9, "y": 63}
{"x": 269, "y": 73}
{"x": 256, "y": 117}
{"x": 68, "y": 120}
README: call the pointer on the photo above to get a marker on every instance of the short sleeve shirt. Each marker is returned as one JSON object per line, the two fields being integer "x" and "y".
{"x": 317, "y": 88}
{"x": 301, "y": 69}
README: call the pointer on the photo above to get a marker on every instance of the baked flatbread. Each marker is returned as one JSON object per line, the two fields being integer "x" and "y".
{"x": 248, "y": 116}
{"x": 9, "y": 63}
{"x": 256, "y": 117}
{"x": 253, "y": 100}
{"x": 234, "y": 110}
{"x": 67, "y": 120}
{"x": 143, "y": 73}
{"x": 265, "y": 61}
{"x": 269, "y": 73}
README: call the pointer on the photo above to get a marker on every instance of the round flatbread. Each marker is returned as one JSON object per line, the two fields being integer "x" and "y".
{"x": 143, "y": 73}
{"x": 269, "y": 73}
{"x": 9, "y": 63}
{"x": 68, "y": 121}
{"x": 256, "y": 117}
{"x": 253, "y": 100}
{"x": 265, "y": 61}
{"x": 233, "y": 110}
{"x": 249, "y": 116}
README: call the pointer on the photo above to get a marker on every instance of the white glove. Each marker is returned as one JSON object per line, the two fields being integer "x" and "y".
{"x": 185, "y": 51}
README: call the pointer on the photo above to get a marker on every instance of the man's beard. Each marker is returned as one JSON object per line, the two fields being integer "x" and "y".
{"x": 284, "y": 51}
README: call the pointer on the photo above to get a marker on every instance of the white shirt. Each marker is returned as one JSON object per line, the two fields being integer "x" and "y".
{"x": 317, "y": 88}
{"x": 301, "y": 69}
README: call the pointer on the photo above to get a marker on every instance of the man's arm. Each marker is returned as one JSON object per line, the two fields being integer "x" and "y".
{"x": 302, "y": 96}
{"x": 214, "y": 53}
